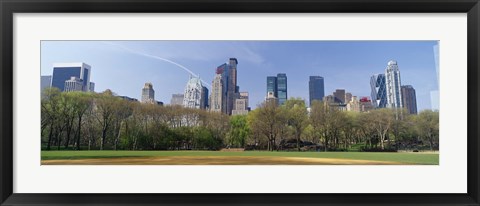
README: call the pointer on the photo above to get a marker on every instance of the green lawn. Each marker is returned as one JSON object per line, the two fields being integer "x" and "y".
{"x": 407, "y": 158}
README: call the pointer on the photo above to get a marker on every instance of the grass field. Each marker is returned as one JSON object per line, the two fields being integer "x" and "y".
{"x": 235, "y": 158}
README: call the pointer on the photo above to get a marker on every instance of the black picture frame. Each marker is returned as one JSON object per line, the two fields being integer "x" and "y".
{"x": 10, "y": 7}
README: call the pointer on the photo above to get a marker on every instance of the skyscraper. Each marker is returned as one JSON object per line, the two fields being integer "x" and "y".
{"x": 232, "y": 88}
{"x": 64, "y": 71}
{"x": 282, "y": 88}
{"x": 45, "y": 82}
{"x": 193, "y": 95}
{"x": 177, "y": 99}
{"x": 217, "y": 97}
{"x": 316, "y": 88}
{"x": 339, "y": 95}
{"x": 409, "y": 99}
{"x": 148, "y": 94}
{"x": 272, "y": 85}
{"x": 393, "y": 85}
{"x": 204, "y": 104}
{"x": 379, "y": 93}
{"x": 224, "y": 88}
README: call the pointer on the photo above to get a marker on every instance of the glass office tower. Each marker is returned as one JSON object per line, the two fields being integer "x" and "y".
{"x": 316, "y": 88}
{"x": 282, "y": 88}
{"x": 65, "y": 71}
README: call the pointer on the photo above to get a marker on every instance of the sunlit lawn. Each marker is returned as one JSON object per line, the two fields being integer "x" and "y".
{"x": 401, "y": 157}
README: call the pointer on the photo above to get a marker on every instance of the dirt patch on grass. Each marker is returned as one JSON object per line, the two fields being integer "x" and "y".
{"x": 214, "y": 160}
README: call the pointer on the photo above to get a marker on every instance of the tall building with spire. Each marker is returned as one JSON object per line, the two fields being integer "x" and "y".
{"x": 393, "y": 85}
{"x": 148, "y": 94}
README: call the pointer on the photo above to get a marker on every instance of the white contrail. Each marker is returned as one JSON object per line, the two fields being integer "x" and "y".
{"x": 158, "y": 58}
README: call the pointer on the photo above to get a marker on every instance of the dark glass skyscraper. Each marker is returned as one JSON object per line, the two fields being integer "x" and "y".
{"x": 316, "y": 88}
{"x": 282, "y": 88}
{"x": 272, "y": 85}
{"x": 65, "y": 71}
{"x": 409, "y": 99}
{"x": 339, "y": 96}
{"x": 224, "y": 87}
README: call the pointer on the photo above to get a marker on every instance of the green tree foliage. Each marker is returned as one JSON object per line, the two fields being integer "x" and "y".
{"x": 427, "y": 126}
{"x": 239, "y": 131}
{"x": 81, "y": 120}
{"x": 296, "y": 117}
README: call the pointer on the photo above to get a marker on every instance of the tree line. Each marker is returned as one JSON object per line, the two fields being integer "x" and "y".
{"x": 103, "y": 121}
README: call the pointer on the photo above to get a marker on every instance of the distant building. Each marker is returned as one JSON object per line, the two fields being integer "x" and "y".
{"x": 282, "y": 88}
{"x": 204, "y": 103}
{"x": 128, "y": 98}
{"x": 74, "y": 84}
{"x": 393, "y": 85}
{"x": 177, "y": 99}
{"x": 379, "y": 91}
{"x": 92, "y": 87}
{"x": 241, "y": 104}
{"x": 316, "y": 89}
{"x": 193, "y": 96}
{"x": 271, "y": 98}
{"x": 365, "y": 104}
{"x": 348, "y": 97}
{"x": 272, "y": 85}
{"x": 232, "y": 88}
{"x": 339, "y": 95}
{"x": 65, "y": 71}
{"x": 359, "y": 105}
{"x": 216, "y": 97}
{"x": 409, "y": 99}
{"x": 353, "y": 105}
{"x": 148, "y": 94}
{"x": 45, "y": 82}
{"x": 329, "y": 99}
{"x": 277, "y": 86}
{"x": 224, "y": 88}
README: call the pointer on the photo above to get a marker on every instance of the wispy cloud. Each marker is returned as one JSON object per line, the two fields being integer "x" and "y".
{"x": 207, "y": 51}
{"x": 157, "y": 58}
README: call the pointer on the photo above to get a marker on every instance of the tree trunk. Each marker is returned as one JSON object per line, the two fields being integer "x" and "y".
{"x": 50, "y": 134}
{"x": 79, "y": 132}
{"x": 69, "y": 131}
{"x": 381, "y": 142}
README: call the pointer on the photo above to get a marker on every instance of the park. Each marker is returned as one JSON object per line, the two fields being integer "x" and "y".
{"x": 102, "y": 129}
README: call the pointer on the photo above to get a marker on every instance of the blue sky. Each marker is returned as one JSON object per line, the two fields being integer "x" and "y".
{"x": 124, "y": 66}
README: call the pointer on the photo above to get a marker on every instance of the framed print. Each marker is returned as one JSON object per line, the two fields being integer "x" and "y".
{"x": 252, "y": 103}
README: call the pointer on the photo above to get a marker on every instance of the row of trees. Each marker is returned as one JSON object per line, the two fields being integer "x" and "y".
{"x": 335, "y": 129}
{"x": 79, "y": 120}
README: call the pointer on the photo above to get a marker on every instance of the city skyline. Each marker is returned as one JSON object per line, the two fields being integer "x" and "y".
{"x": 150, "y": 61}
